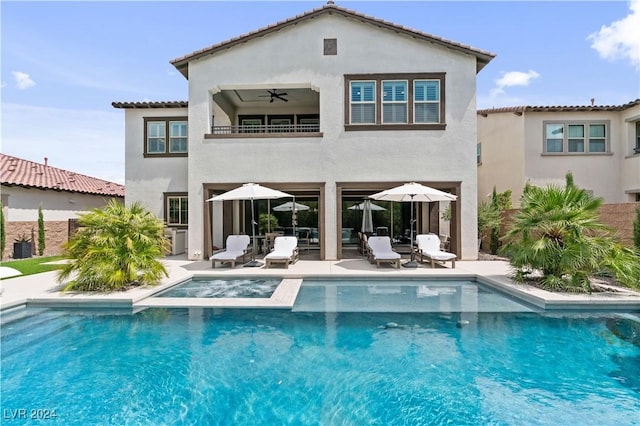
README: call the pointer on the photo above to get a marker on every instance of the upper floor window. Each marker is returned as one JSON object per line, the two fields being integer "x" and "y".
{"x": 363, "y": 102}
{"x": 165, "y": 136}
{"x": 576, "y": 137}
{"x": 479, "y": 154}
{"x": 394, "y": 101}
{"x": 636, "y": 149}
{"x": 176, "y": 209}
{"x": 426, "y": 98}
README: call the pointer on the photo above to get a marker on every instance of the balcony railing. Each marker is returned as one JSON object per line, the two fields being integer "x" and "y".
{"x": 265, "y": 128}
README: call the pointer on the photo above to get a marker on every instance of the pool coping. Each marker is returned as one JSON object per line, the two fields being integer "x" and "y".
{"x": 42, "y": 290}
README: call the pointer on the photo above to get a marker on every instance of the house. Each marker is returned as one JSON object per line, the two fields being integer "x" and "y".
{"x": 538, "y": 145}
{"x": 330, "y": 106}
{"x": 26, "y": 186}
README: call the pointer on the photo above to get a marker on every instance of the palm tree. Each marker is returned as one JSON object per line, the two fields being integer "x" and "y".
{"x": 115, "y": 247}
{"x": 558, "y": 233}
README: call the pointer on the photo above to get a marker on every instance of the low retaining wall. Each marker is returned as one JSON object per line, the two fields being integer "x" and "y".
{"x": 56, "y": 233}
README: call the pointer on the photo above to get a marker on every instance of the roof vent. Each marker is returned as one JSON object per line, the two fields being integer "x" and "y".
{"x": 330, "y": 2}
{"x": 593, "y": 101}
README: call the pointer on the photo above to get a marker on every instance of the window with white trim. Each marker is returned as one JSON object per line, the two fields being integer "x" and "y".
{"x": 363, "y": 102}
{"x": 426, "y": 101}
{"x": 394, "y": 101}
{"x": 576, "y": 137}
{"x": 178, "y": 136}
{"x": 165, "y": 136}
{"x": 402, "y": 101}
{"x": 176, "y": 209}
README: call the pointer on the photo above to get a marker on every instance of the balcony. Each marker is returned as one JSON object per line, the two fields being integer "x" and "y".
{"x": 281, "y": 112}
{"x": 265, "y": 131}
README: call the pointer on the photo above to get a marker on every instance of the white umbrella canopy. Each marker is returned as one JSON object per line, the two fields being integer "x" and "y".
{"x": 289, "y": 207}
{"x": 413, "y": 192}
{"x": 251, "y": 191}
{"x": 365, "y": 204}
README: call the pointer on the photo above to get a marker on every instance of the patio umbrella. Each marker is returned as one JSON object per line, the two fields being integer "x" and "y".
{"x": 290, "y": 206}
{"x": 372, "y": 206}
{"x": 413, "y": 192}
{"x": 251, "y": 191}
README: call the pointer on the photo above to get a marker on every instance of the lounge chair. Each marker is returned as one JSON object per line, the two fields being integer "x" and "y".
{"x": 379, "y": 250}
{"x": 285, "y": 251}
{"x": 237, "y": 247}
{"x": 428, "y": 248}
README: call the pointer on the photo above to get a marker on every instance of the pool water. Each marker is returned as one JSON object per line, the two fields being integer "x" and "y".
{"x": 402, "y": 295}
{"x": 247, "y": 367}
{"x": 214, "y": 288}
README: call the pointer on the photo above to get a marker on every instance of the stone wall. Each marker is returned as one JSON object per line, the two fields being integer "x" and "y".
{"x": 55, "y": 235}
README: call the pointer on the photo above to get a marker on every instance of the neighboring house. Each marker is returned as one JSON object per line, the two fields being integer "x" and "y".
{"x": 26, "y": 186}
{"x": 330, "y": 106}
{"x": 599, "y": 145}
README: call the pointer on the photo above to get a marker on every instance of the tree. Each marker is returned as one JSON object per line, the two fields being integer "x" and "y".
{"x": 41, "y": 241}
{"x": 488, "y": 218}
{"x": 494, "y": 242}
{"x": 3, "y": 234}
{"x": 558, "y": 233}
{"x": 267, "y": 221}
{"x": 636, "y": 230}
{"x": 114, "y": 248}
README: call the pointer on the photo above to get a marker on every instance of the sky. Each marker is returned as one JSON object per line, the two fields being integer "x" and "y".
{"x": 63, "y": 63}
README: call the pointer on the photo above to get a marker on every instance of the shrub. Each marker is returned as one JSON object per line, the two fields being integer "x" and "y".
{"x": 41, "y": 241}
{"x": 114, "y": 248}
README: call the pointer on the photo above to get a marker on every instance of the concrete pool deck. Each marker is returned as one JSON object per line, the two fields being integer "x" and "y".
{"x": 43, "y": 289}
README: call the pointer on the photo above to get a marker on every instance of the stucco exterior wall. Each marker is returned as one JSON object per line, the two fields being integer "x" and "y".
{"x": 630, "y": 179}
{"x": 599, "y": 173}
{"x": 338, "y": 156}
{"x": 502, "y": 155}
{"x": 146, "y": 179}
{"x": 21, "y": 204}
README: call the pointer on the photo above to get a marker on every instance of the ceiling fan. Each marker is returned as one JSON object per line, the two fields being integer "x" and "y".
{"x": 275, "y": 95}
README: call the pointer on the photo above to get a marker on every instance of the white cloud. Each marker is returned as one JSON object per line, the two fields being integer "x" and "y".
{"x": 513, "y": 78}
{"x": 23, "y": 81}
{"x": 621, "y": 39}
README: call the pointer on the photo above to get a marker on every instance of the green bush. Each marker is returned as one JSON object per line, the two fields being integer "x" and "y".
{"x": 558, "y": 233}
{"x": 115, "y": 248}
{"x": 41, "y": 241}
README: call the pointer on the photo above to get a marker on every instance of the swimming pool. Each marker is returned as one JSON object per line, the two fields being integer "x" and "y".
{"x": 222, "y": 287}
{"x": 217, "y": 366}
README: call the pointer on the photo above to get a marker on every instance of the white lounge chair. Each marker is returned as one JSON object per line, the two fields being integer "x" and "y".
{"x": 237, "y": 247}
{"x": 428, "y": 247}
{"x": 285, "y": 251}
{"x": 380, "y": 250}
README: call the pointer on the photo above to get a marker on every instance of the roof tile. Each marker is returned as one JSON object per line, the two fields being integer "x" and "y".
{"x": 19, "y": 172}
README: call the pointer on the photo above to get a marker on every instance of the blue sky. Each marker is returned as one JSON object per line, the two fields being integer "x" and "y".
{"x": 63, "y": 63}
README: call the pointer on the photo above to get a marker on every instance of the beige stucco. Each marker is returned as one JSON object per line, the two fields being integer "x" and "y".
{"x": 513, "y": 145}
{"x": 21, "y": 204}
{"x": 292, "y": 57}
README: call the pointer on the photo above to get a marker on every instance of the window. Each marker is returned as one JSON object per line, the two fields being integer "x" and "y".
{"x": 426, "y": 98}
{"x": 177, "y": 136}
{"x": 363, "y": 102}
{"x": 176, "y": 209}
{"x": 479, "y": 154}
{"x": 637, "y": 147}
{"x": 156, "y": 142}
{"x": 394, "y": 101}
{"x": 575, "y": 138}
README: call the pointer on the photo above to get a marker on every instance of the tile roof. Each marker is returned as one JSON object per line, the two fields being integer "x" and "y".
{"x": 529, "y": 108}
{"x": 482, "y": 57}
{"x": 18, "y": 172}
{"x": 160, "y": 104}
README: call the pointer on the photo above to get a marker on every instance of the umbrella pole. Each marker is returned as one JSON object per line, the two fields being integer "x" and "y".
{"x": 253, "y": 262}
{"x": 411, "y": 263}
